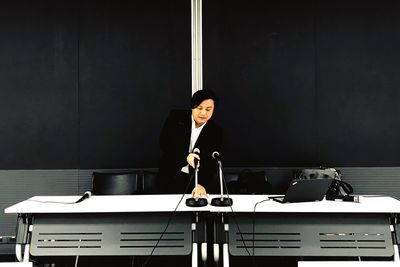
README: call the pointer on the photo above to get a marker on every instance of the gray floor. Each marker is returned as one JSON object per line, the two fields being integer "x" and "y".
{"x": 103, "y": 261}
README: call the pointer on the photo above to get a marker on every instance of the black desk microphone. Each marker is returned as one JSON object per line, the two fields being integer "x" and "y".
{"x": 220, "y": 201}
{"x": 196, "y": 202}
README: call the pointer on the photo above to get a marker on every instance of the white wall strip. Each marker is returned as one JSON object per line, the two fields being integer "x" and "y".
{"x": 197, "y": 47}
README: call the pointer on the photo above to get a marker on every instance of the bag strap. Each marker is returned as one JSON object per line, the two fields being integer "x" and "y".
{"x": 347, "y": 188}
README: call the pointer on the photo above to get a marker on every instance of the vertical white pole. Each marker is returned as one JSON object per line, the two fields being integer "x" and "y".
{"x": 200, "y": 45}
{"x": 225, "y": 257}
{"x": 197, "y": 47}
{"x": 192, "y": 45}
{"x": 194, "y": 255}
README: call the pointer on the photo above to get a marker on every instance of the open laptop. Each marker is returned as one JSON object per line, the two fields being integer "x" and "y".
{"x": 305, "y": 190}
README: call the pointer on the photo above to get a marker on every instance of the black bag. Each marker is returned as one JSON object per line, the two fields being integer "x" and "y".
{"x": 250, "y": 182}
{"x": 338, "y": 187}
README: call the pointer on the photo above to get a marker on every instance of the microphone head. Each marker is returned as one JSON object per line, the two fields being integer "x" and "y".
{"x": 196, "y": 151}
{"x": 86, "y": 195}
{"x": 215, "y": 155}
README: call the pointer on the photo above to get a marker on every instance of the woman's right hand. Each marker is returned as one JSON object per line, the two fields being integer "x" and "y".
{"x": 190, "y": 159}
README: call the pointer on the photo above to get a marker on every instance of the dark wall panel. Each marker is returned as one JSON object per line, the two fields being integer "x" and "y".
{"x": 38, "y": 103}
{"x": 134, "y": 66}
{"x": 358, "y": 83}
{"x": 306, "y": 83}
{"x": 89, "y": 83}
{"x": 260, "y": 58}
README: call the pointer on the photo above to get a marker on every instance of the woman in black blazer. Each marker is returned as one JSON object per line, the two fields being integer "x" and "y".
{"x": 178, "y": 140}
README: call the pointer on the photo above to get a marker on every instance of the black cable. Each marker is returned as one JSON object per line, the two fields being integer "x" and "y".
{"x": 162, "y": 234}
{"x": 254, "y": 225}
{"x": 233, "y": 215}
{"x": 86, "y": 195}
{"x": 168, "y": 222}
{"x": 52, "y": 202}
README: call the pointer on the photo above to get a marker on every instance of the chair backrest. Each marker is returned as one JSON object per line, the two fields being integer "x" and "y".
{"x": 248, "y": 182}
{"x": 116, "y": 183}
{"x": 150, "y": 182}
{"x": 231, "y": 179}
{"x": 231, "y": 176}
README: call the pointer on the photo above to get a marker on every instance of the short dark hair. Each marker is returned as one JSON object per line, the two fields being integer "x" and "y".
{"x": 202, "y": 95}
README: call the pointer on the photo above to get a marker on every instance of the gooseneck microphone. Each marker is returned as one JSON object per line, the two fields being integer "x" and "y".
{"x": 196, "y": 201}
{"x": 216, "y": 155}
{"x": 196, "y": 161}
{"x": 86, "y": 195}
{"x": 220, "y": 201}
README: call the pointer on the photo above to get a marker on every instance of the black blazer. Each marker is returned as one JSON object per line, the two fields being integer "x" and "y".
{"x": 174, "y": 142}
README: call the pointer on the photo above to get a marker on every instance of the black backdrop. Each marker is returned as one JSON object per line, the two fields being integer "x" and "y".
{"x": 88, "y": 84}
{"x": 306, "y": 82}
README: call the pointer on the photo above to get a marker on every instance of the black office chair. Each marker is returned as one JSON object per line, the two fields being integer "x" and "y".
{"x": 150, "y": 182}
{"x": 248, "y": 182}
{"x": 116, "y": 183}
{"x": 231, "y": 179}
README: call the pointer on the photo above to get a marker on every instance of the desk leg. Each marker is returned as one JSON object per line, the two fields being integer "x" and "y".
{"x": 396, "y": 254}
{"x": 18, "y": 252}
{"x": 26, "y": 253}
{"x": 24, "y": 231}
{"x": 225, "y": 247}
{"x": 200, "y": 235}
{"x": 22, "y": 257}
{"x": 217, "y": 238}
{"x": 216, "y": 252}
{"x": 220, "y": 232}
{"x": 396, "y": 236}
{"x": 195, "y": 257}
{"x": 204, "y": 254}
{"x": 225, "y": 255}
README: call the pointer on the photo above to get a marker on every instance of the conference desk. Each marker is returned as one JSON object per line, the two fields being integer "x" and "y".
{"x": 104, "y": 225}
{"x": 253, "y": 226}
{"x": 325, "y": 229}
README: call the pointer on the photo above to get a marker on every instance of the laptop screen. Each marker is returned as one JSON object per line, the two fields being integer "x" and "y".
{"x": 307, "y": 190}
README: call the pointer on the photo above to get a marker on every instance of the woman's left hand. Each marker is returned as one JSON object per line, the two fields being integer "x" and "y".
{"x": 201, "y": 192}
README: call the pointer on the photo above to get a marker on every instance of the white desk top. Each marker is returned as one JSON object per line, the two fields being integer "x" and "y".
{"x": 99, "y": 204}
{"x": 347, "y": 264}
{"x": 166, "y": 203}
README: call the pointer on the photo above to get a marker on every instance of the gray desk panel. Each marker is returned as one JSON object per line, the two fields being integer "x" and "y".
{"x": 311, "y": 235}
{"x": 111, "y": 234}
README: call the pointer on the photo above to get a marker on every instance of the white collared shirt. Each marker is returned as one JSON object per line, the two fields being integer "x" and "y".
{"x": 194, "y": 135}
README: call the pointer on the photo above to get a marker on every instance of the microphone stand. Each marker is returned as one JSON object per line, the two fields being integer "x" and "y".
{"x": 221, "y": 201}
{"x": 196, "y": 202}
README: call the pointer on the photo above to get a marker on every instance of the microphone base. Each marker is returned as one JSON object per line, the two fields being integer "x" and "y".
{"x": 222, "y": 202}
{"x": 200, "y": 202}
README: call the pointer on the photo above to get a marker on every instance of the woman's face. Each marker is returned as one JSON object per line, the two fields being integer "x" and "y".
{"x": 203, "y": 112}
